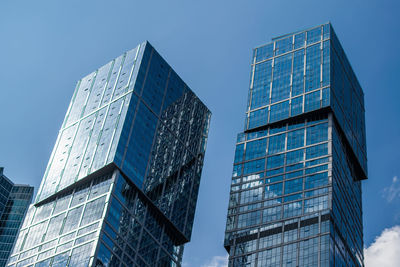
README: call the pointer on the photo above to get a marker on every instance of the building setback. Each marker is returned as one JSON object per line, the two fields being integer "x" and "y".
{"x": 295, "y": 197}
{"x": 14, "y": 202}
{"x": 121, "y": 185}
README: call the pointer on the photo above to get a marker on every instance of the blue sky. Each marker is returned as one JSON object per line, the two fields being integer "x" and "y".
{"x": 46, "y": 46}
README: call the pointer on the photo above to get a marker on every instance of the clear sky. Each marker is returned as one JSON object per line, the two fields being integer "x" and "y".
{"x": 46, "y": 46}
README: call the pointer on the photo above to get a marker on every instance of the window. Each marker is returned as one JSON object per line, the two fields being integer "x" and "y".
{"x": 317, "y": 151}
{"x": 275, "y": 161}
{"x": 316, "y": 180}
{"x": 294, "y": 156}
{"x": 279, "y": 111}
{"x": 273, "y": 190}
{"x": 254, "y": 166}
{"x": 249, "y": 219}
{"x": 295, "y": 139}
{"x": 256, "y": 149}
{"x": 276, "y": 144}
{"x": 251, "y": 195}
{"x": 312, "y": 101}
{"x": 272, "y": 214}
{"x": 239, "y": 153}
{"x": 292, "y": 209}
{"x": 258, "y": 118}
{"x": 292, "y": 186}
{"x": 261, "y": 84}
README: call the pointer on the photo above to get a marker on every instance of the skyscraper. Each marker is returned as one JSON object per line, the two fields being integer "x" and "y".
{"x": 295, "y": 197}
{"x": 121, "y": 185}
{"x": 14, "y": 202}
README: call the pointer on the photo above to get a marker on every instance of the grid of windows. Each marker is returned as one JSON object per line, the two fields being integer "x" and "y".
{"x": 14, "y": 202}
{"x": 300, "y": 159}
{"x": 135, "y": 117}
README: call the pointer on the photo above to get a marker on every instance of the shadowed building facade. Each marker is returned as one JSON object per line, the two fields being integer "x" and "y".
{"x": 121, "y": 185}
{"x": 14, "y": 202}
{"x": 295, "y": 197}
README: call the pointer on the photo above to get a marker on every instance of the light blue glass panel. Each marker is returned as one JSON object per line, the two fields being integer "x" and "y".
{"x": 93, "y": 211}
{"x": 326, "y": 31}
{"x": 55, "y": 170}
{"x": 120, "y": 123}
{"x": 281, "y": 78}
{"x": 314, "y": 35}
{"x": 251, "y": 195}
{"x": 261, "y": 84}
{"x": 270, "y": 257}
{"x": 79, "y": 99}
{"x": 275, "y": 161}
{"x": 326, "y": 66}
{"x": 249, "y": 219}
{"x": 106, "y": 135}
{"x": 313, "y": 67}
{"x": 317, "y": 133}
{"x": 91, "y": 147}
{"x": 315, "y": 204}
{"x": 98, "y": 88}
{"x": 284, "y": 45}
{"x": 292, "y": 209}
{"x": 279, "y": 111}
{"x": 112, "y": 80}
{"x": 312, "y": 101}
{"x": 276, "y": 144}
{"x": 77, "y": 152}
{"x": 237, "y": 170}
{"x": 72, "y": 219}
{"x": 264, "y": 52}
{"x": 296, "y": 106}
{"x": 257, "y": 134}
{"x": 316, "y": 180}
{"x": 299, "y": 40}
{"x": 295, "y": 139}
{"x": 273, "y": 190}
{"x": 316, "y": 151}
{"x": 241, "y": 137}
{"x": 258, "y": 118}
{"x": 292, "y": 197}
{"x": 326, "y": 97}
{"x": 80, "y": 256}
{"x": 294, "y": 156}
{"x": 272, "y": 214}
{"x": 54, "y": 227}
{"x": 298, "y": 73}
{"x": 292, "y": 186}
{"x": 126, "y": 71}
{"x": 256, "y": 149}
{"x": 254, "y": 166}
{"x": 239, "y": 153}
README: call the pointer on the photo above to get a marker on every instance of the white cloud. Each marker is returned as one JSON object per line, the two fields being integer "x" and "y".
{"x": 217, "y": 261}
{"x": 393, "y": 191}
{"x": 385, "y": 251}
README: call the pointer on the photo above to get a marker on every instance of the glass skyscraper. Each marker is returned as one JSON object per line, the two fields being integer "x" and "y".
{"x": 295, "y": 197}
{"x": 14, "y": 202}
{"x": 121, "y": 185}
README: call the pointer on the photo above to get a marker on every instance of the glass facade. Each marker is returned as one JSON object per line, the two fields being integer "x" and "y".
{"x": 121, "y": 185}
{"x": 14, "y": 202}
{"x": 295, "y": 197}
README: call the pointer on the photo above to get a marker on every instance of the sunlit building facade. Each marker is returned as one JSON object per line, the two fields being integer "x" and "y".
{"x": 14, "y": 202}
{"x": 295, "y": 197}
{"x": 121, "y": 185}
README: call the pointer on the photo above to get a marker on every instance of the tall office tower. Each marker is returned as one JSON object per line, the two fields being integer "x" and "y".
{"x": 296, "y": 188}
{"x": 14, "y": 202}
{"x": 121, "y": 185}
